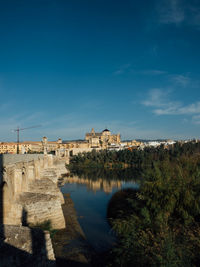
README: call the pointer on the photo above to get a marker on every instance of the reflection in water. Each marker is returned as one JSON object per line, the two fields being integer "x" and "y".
{"x": 98, "y": 185}
{"x": 91, "y": 196}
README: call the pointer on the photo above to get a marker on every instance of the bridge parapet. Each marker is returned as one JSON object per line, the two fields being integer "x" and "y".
{"x": 19, "y": 176}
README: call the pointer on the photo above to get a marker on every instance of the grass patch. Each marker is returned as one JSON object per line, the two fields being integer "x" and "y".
{"x": 46, "y": 226}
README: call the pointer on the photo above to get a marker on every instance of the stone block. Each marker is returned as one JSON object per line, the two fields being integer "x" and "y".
{"x": 23, "y": 246}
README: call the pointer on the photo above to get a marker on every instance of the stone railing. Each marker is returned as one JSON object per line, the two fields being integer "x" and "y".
{"x": 29, "y": 182}
{"x": 29, "y": 195}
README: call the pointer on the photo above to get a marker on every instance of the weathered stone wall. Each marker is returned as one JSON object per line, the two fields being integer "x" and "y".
{"x": 41, "y": 207}
{"x": 31, "y": 184}
{"x": 22, "y": 246}
{"x": 14, "y": 158}
{"x": 29, "y": 195}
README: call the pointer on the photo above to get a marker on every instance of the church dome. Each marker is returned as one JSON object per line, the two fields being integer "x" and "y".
{"x": 106, "y": 130}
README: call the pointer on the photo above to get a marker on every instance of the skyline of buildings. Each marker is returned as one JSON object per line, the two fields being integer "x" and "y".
{"x": 93, "y": 140}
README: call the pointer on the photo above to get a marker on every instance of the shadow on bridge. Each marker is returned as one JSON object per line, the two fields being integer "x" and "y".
{"x": 13, "y": 238}
{"x": 23, "y": 245}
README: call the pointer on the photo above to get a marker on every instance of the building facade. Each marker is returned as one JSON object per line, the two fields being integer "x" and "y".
{"x": 102, "y": 139}
{"x": 93, "y": 140}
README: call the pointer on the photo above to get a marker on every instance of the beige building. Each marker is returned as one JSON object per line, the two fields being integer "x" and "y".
{"x": 6, "y": 147}
{"x": 93, "y": 140}
{"x": 76, "y": 144}
{"x": 103, "y": 139}
{"x": 31, "y": 146}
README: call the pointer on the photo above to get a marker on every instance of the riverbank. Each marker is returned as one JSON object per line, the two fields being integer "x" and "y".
{"x": 70, "y": 245}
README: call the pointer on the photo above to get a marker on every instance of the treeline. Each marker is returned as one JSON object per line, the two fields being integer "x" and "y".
{"x": 137, "y": 159}
{"x": 159, "y": 225}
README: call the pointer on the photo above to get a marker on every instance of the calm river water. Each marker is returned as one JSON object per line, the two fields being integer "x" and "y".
{"x": 91, "y": 198}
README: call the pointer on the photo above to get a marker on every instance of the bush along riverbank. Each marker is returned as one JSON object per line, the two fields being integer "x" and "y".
{"x": 135, "y": 159}
{"x": 158, "y": 225}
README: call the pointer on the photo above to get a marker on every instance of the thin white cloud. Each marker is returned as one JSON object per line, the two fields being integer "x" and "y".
{"x": 181, "y": 80}
{"x": 196, "y": 119}
{"x": 118, "y": 72}
{"x": 128, "y": 69}
{"x": 122, "y": 69}
{"x": 156, "y": 98}
{"x": 159, "y": 100}
{"x": 190, "y": 109}
{"x": 171, "y": 11}
{"x": 178, "y": 12}
{"x": 153, "y": 72}
{"x": 193, "y": 14}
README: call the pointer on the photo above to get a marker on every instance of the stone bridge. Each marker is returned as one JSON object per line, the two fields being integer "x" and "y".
{"x": 29, "y": 188}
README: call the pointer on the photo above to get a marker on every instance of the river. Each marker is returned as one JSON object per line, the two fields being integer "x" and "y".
{"x": 91, "y": 197}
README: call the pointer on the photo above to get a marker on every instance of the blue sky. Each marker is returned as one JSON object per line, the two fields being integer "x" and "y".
{"x": 130, "y": 66}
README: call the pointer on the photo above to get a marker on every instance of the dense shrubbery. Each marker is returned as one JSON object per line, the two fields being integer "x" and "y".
{"x": 160, "y": 224}
{"x": 137, "y": 159}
